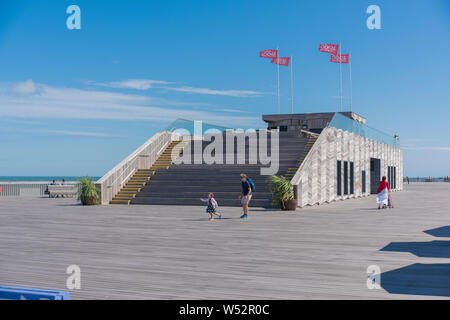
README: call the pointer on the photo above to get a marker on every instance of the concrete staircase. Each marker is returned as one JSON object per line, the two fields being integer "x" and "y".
{"x": 184, "y": 184}
{"x": 290, "y": 173}
{"x": 142, "y": 176}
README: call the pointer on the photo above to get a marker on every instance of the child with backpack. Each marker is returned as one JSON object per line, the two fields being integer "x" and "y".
{"x": 212, "y": 206}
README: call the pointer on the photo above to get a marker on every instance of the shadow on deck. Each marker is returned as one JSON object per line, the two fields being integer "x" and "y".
{"x": 418, "y": 279}
{"x": 442, "y": 232}
{"x": 430, "y": 249}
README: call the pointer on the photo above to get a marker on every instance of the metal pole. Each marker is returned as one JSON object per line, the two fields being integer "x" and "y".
{"x": 292, "y": 87}
{"x": 340, "y": 75}
{"x": 350, "y": 71}
{"x": 278, "y": 79}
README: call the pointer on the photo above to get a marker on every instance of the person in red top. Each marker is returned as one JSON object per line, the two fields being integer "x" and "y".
{"x": 383, "y": 184}
{"x": 383, "y": 193}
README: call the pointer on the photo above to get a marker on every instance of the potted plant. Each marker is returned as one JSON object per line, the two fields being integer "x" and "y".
{"x": 89, "y": 194}
{"x": 283, "y": 192}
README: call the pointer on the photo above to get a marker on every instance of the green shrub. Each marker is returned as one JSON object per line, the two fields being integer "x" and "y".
{"x": 281, "y": 188}
{"x": 89, "y": 194}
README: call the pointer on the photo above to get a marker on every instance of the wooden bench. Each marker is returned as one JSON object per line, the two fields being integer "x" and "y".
{"x": 70, "y": 190}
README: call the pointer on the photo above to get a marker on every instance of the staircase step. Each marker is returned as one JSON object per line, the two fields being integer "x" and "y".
{"x": 193, "y": 195}
{"x": 126, "y": 193}
{"x": 119, "y": 202}
{"x": 123, "y": 198}
{"x": 134, "y": 185}
{"x": 197, "y": 202}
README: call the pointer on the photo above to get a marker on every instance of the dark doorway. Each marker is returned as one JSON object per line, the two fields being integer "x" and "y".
{"x": 394, "y": 182}
{"x": 363, "y": 181}
{"x": 352, "y": 178}
{"x": 339, "y": 178}
{"x": 375, "y": 166}
{"x": 389, "y": 177}
{"x": 345, "y": 177}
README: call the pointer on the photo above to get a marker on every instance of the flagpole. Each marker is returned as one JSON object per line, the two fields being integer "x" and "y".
{"x": 292, "y": 87}
{"x": 340, "y": 75}
{"x": 278, "y": 79}
{"x": 350, "y": 71}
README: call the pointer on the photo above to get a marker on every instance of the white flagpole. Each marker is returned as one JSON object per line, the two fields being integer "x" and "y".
{"x": 350, "y": 71}
{"x": 292, "y": 87}
{"x": 340, "y": 76}
{"x": 278, "y": 79}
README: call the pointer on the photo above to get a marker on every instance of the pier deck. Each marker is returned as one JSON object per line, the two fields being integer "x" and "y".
{"x": 174, "y": 252}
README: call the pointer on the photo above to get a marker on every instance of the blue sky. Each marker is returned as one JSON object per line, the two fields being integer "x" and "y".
{"x": 76, "y": 102}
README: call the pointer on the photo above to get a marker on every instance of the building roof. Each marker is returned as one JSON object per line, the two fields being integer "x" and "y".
{"x": 310, "y": 116}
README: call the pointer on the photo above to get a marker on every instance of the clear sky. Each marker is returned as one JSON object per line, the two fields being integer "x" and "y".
{"x": 76, "y": 102}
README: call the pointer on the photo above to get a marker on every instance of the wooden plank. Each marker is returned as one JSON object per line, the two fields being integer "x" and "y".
{"x": 174, "y": 252}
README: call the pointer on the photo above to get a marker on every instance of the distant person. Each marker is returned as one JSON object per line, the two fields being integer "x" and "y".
{"x": 212, "y": 206}
{"x": 63, "y": 183}
{"x": 246, "y": 194}
{"x": 383, "y": 194}
{"x": 407, "y": 179}
{"x": 53, "y": 183}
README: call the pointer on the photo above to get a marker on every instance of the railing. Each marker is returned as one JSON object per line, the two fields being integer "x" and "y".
{"x": 196, "y": 128}
{"x": 142, "y": 158}
{"x": 426, "y": 179}
{"x": 342, "y": 122}
{"x": 24, "y": 189}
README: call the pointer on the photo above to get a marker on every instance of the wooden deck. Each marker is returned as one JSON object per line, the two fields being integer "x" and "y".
{"x": 169, "y": 252}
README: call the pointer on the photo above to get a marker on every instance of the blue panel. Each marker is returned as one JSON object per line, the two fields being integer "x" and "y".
{"x": 340, "y": 121}
{"x": 16, "y": 293}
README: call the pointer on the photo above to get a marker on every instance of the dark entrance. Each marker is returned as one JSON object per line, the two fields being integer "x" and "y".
{"x": 363, "y": 181}
{"x": 375, "y": 169}
{"x": 345, "y": 177}
{"x": 339, "y": 178}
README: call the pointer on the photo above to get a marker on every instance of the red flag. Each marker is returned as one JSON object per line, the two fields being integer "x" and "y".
{"x": 269, "y": 54}
{"x": 330, "y": 48}
{"x": 281, "y": 61}
{"x": 339, "y": 58}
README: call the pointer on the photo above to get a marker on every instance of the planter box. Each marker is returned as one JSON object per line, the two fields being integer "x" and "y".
{"x": 290, "y": 205}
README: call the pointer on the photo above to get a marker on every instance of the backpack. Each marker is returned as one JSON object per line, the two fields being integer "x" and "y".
{"x": 252, "y": 185}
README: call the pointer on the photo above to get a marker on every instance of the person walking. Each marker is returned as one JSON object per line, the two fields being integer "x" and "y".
{"x": 212, "y": 206}
{"x": 246, "y": 194}
{"x": 383, "y": 194}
